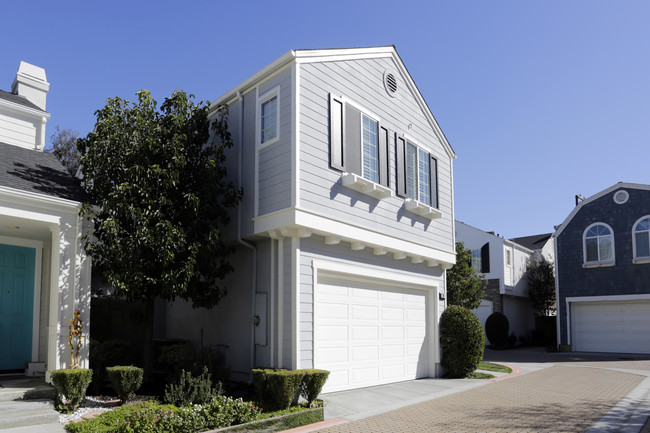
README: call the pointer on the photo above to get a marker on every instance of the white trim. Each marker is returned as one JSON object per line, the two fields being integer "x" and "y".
{"x": 418, "y": 209}
{"x": 295, "y": 137}
{"x": 595, "y": 197}
{"x": 326, "y": 226}
{"x": 389, "y": 278}
{"x": 280, "y": 301}
{"x": 582, "y": 299}
{"x": 38, "y": 267}
{"x": 261, "y": 99}
{"x": 35, "y": 113}
{"x": 295, "y": 302}
{"x": 597, "y": 263}
{"x": 271, "y": 306}
{"x": 47, "y": 202}
{"x": 365, "y": 186}
{"x": 635, "y": 259}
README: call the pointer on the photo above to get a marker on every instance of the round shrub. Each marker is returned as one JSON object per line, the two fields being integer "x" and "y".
{"x": 126, "y": 380}
{"x": 462, "y": 341}
{"x": 496, "y": 329}
{"x": 71, "y": 385}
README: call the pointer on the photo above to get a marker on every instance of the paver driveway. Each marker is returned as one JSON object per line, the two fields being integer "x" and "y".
{"x": 556, "y": 399}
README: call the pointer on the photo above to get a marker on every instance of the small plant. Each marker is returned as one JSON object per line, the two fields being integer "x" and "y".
{"x": 462, "y": 341}
{"x": 104, "y": 354}
{"x": 496, "y": 329}
{"x": 312, "y": 384}
{"x": 71, "y": 386}
{"x": 277, "y": 388}
{"x": 191, "y": 389}
{"x": 126, "y": 380}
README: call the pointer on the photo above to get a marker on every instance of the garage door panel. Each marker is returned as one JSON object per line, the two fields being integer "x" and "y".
{"x": 384, "y": 332}
{"x": 616, "y": 327}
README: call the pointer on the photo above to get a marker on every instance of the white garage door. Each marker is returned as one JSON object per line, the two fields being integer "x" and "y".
{"x": 618, "y": 327}
{"x": 368, "y": 335}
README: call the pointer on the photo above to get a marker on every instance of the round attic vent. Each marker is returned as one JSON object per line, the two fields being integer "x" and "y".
{"x": 621, "y": 196}
{"x": 390, "y": 83}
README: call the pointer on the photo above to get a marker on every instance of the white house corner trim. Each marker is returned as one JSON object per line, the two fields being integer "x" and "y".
{"x": 295, "y": 302}
{"x": 295, "y": 136}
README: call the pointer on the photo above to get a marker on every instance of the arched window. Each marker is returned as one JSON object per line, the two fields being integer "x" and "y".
{"x": 598, "y": 244}
{"x": 641, "y": 238}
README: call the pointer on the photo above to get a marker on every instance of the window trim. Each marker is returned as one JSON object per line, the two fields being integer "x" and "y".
{"x": 478, "y": 260}
{"x": 635, "y": 258}
{"x": 362, "y": 153}
{"x": 432, "y": 182}
{"x": 261, "y": 99}
{"x": 597, "y": 263}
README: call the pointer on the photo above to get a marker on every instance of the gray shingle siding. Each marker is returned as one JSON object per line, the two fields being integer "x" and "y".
{"x": 625, "y": 277}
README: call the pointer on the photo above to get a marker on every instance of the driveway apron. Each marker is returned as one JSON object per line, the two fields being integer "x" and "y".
{"x": 556, "y": 399}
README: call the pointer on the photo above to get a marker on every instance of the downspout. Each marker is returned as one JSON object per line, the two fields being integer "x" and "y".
{"x": 240, "y": 240}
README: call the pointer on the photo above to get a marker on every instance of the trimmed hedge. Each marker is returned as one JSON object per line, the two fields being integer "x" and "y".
{"x": 278, "y": 389}
{"x": 312, "y": 384}
{"x": 71, "y": 386}
{"x": 462, "y": 341}
{"x": 126, "y": 380}
{"x": 496, "y": 329}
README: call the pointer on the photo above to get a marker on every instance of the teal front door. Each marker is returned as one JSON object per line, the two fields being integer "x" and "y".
{"x": 17, "y": 265}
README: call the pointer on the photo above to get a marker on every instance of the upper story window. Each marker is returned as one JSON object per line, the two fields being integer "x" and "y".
{"x": 598, "y": 244}
{"x": 417, "y": 173}
{"x": 476, "y": 260}
{"x": 508, "y": 258}
{"x": 269, "y": 118}
{"x": 370, "y": 149}
{"x": 359, "y": 148}
{"x": 641, "y": 238}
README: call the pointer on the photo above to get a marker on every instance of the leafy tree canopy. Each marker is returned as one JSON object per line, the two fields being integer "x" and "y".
{"x": 157, "y": 179}
{"x": 64, "y": 147}
{"x": 541, "y": 286}
{"x": 464, "y": 285}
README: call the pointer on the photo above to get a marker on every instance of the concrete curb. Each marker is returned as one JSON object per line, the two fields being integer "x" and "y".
{"x": 629, "y": 415}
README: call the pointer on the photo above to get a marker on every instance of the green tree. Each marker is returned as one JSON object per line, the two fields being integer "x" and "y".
{"x": 64, "y": 147}
{"x": 464, "y": 285}
{"x": 541, "y": 286}
{"x": 157, "y": 178}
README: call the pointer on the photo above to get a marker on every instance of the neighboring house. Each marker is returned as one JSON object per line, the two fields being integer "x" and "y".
{"x": 543, "y": 245}
{"x": 603, "y": 272}
{"x": 44, "y": 273}
{"x": 346, "y": 227}
{"x": 503, "y": 262}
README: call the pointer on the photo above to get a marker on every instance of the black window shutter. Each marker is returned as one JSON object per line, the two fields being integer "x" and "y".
{"x": 400, "y": 151}
{"x": 485, "y": 258}
{"x": 433, "y": 182}
{"x": 383, "y": 156}
{"x": 352, "y": 137}
{"x": 337, "y": 144}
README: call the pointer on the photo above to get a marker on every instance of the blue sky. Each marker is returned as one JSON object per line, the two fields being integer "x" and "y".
{"x": 540, "y": 100}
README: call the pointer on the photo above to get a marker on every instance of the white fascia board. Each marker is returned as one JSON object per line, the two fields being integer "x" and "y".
{"x": 325, "y": 226}
{"x": 253, "y": 80}
{"x": 29, "y": 215}
{"x": 609, "y": 298}
{"x": 597, "y": 196}
{"x": 56, "y": 204}
{"x": 22, "y": 109}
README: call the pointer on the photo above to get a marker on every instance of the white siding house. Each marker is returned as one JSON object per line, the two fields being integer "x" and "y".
{"x": 346, "y": 227}
{"x": 44, "y": 272}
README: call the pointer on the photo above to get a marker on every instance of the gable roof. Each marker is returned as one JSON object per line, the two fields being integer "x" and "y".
{"x": 37, "y": 172}
{"x": 595, "y": 197}
{"x": 338, "y": 54}
{"x": 534, "y": 242}
{"x": 17, "y": 99}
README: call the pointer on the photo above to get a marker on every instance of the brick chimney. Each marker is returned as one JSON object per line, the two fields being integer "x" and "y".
{"x": 31, "y": 83}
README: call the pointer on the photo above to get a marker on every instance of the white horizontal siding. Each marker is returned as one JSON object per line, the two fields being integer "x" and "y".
{"x": 361, "y": 82}
{"x": 17, "y": 132}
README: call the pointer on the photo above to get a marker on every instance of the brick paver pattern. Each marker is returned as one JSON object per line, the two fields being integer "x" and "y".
{"x": 555, "y": 400}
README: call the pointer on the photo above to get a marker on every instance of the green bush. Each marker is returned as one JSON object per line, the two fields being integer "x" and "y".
{"x": 71, "y": 385}
{"x": 178, "y": 357}
{"x": 109, "y": 422}
{"x": 277, "y": 389}
{"x": 496, "y": 329}
{"x": 312, "y": 384}
{"x": 126, "y": 380}
{"x": 190, "y": 389}
{"x": 462, "y": 341}
{"x": 105, "y": 354}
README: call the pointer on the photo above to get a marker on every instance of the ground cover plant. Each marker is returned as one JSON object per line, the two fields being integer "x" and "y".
{"x": 489, "y": 366}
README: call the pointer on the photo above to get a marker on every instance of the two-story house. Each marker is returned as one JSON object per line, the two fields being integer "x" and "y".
{"x": 44, "y": 273}
{"x": 503, "y": 263}
{"x": 603, "y": 272}
{"x": 346, "y": 227}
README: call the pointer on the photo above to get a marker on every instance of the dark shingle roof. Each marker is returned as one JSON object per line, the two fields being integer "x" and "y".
{"x": 17, "y": 99}
{"x": 535, "y": 242}
{"x": 39, "y": 172}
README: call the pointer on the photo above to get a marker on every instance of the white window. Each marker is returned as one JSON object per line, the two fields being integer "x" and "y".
{"x": 476, "y": 260}
{"x": 598, "y": 244}
{"x": 370, "y": 148}
{"x": 269, "y": 119}
{"x": 641, "y": 238}
{"x": 418, "y": 174}
{"x": 508, "y": 257}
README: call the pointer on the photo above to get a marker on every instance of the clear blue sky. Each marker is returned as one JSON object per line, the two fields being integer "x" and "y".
{"x": 540, "y": 100}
